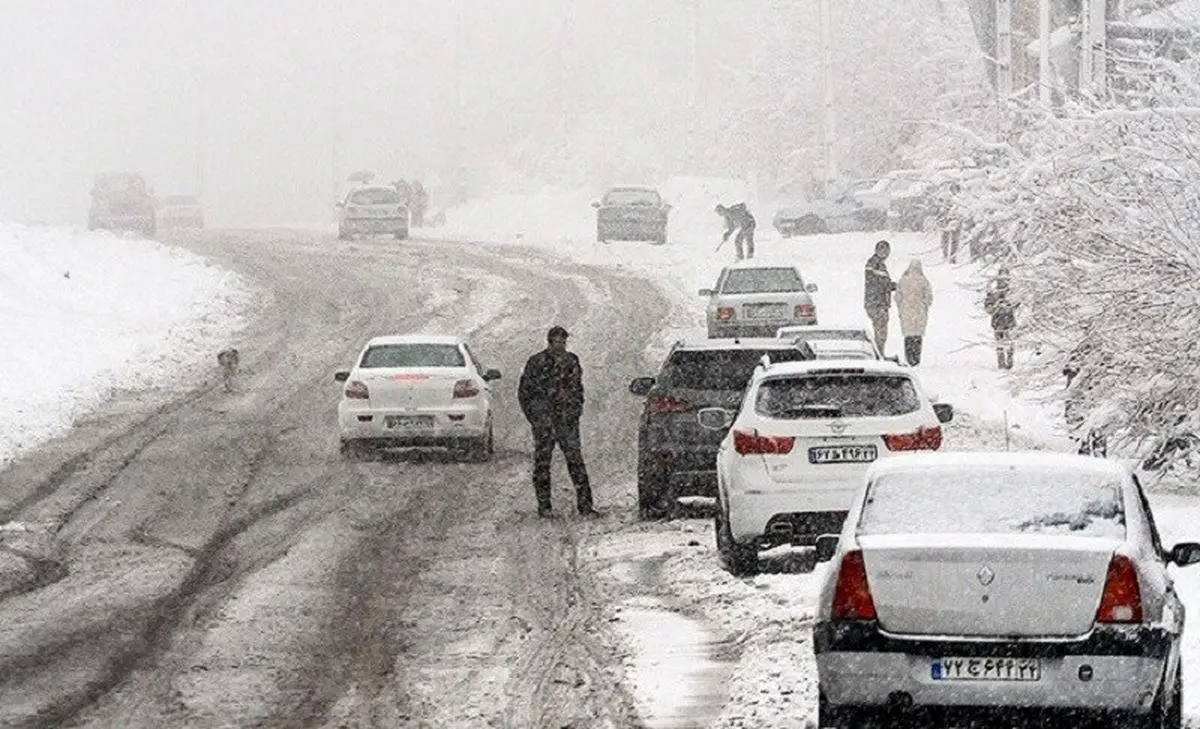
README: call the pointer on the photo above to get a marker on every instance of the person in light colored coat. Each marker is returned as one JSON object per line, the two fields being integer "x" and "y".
{"x": 914, "y": 296}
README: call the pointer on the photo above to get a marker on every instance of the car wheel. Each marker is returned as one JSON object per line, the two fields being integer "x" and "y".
{"x": 843, "y": 717}
{"x": 811, "y": 225}
{"x": 480, "y": 450}
{"x": 401, "y": 234}
{"x": 739, "y": 560}
{"x": 653, "y": 492}
{"x": 353, "y": 450}
{"x": 660, "y": 239}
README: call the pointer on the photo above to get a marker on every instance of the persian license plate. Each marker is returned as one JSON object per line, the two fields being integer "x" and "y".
{"x": 766, "y": 311}
{"x": 986, "y": 669}
{"x": 843, "y": 454}
{"x": 408, "y": 421}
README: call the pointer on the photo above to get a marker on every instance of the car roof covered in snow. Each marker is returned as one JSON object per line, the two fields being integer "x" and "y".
{"x": 639, "y": 188}
{"x": 739, "y": 343}
{"x": 414, "y": 339}
{"x": 811, "y": 367}
{"x": 1024, "y": 460}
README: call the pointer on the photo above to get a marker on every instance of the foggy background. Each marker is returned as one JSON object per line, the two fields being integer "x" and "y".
{"x": 262, "y": 107}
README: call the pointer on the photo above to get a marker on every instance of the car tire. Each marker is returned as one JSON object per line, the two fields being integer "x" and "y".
{"x": 844, "y": 717}
{"x": 654, "y": 500}
{"x": 1167, "y": 710}
{"x": 739, "y": 560}
{"x": 480, "y": 449}
{"x": 811, "y": 225}
{"x": 659, "y": 240}
{"x": 353, "y": 450}
{"x": 401, "y": 234}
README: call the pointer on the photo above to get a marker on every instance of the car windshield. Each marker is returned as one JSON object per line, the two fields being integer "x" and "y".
{"x": 375, "y": 196}
{"x": 720, "y": 369}
{"x": 762, "y": 280}
{"x": 849, "y": 395}
{"x": 994, "y": 500}
{"x": 413, "y": 355}
{"x": 631, "y": 197}
{"x": 823, "y": 334}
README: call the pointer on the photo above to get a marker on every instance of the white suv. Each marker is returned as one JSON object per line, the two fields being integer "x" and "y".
{"x": 797, "y": 450}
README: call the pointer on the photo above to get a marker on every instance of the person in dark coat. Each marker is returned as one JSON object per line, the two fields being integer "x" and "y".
{"x": 420, "y": 203}
{"x": 551, "y": 397}
{"x": 1003, "y": 310}
{"x": 738, "y": 218}
{"x": 877, "y": 292}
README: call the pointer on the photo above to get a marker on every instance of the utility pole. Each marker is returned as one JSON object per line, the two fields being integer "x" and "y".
{"x": 1004, "y": 69}
{"x": 1093, "y": 49}
{"x": 459, "y": 92}
{"x": 831, "y": 156}
{"x": 1044, "y": 53}
{"x": 693, "y": 85}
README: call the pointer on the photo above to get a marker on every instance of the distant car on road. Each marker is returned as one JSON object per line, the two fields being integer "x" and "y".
{"x": 969, "y": 587}
{"x": 121, "y": 201}
{"x": 417, "y": 391}
{"x": 180, "y": 211}
{"x": 794, "y": 455}
{"x": 833, "y": 342}
{"x": 677, "y": 457}
{"x": 849, "y": 210}
{"x": 752, "y": 299}
{"x": 371, "y": 210}
{"x": 631, "y": 212}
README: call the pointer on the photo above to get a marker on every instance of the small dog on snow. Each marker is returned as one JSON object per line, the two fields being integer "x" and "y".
{"x": 228, "y": 360}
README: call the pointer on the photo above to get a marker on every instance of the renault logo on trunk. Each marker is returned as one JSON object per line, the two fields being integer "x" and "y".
{"x": 837, "y": 427}
{"x": 985, "y": 575}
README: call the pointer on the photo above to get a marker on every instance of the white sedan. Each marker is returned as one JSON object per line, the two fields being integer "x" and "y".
{"x": 1009, "y": 585}
{"x": 417, "y": 391}
{"x": 795, "y": 454}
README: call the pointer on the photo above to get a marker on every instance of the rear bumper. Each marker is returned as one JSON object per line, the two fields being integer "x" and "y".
{"x": 631, "y": 230}
{"x": 374, "y": 225}
{"x": 808, "y": 510}
{"x": 859, "y": 666}
{"x": 449, "y": 425}
{"x": 685, "y": 470}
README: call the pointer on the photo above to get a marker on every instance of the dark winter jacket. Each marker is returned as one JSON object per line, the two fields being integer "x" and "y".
{"x": 551, "y": 387}
{"x": 998, "y": 303}
{"x": 737, "y": 216}
{"x": 878, "y": 285}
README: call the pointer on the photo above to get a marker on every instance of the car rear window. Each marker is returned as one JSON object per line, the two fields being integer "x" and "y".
{"x": 377, "y": 196}
{"x": 413, "y": 355}
{"x": 762, "y": 280}
{"x": 823, "y": 334}
{"x": 850, "y": 395}
{"x": 720, "y": 369}
{"x": 994, "y": 500}
{"x": 632, "y": 197}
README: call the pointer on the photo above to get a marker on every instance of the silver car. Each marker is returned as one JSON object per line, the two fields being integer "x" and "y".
{"x": 965, "y": 585}
{"x": 753, "y": 300}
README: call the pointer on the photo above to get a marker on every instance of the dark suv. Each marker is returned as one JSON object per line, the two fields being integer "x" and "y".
{"x": 677, "y": 457}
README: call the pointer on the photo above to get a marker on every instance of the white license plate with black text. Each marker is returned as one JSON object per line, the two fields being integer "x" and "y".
{"x": 986, "y": 669}
{"x": 843, "y": 454}
{"x": 766, "y": 311}
{"x": 408, "y": 421}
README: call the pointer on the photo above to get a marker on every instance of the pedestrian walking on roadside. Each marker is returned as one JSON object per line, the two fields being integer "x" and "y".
{"x": 914, "y": 296}
{"x": 551, "y": 397}
{"x": 949, "y": 224}
{"x": 877, "y": 293}
{"x": 738, "y": 218}
{"x": 998, "y": 302}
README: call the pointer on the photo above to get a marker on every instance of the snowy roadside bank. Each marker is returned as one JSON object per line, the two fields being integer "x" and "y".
{"x": 86, "y": 314}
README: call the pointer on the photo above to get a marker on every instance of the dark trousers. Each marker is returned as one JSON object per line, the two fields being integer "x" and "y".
{"x": 912, "y": 350}
{"x": 1004, "y": 349}
{"x": 745, "y": 242}
{"x": 563, "y": 432}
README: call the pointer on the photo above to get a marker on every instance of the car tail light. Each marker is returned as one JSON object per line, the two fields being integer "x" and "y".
{"x": 749, "y": 442}
{"x": 466, "y": 388}
{"x": 852, "y": 595}
{"x": 357, "y": 390}
{"x": 725, "y": 313}
{"x": 803, "y": 311}
{"x": 668, "y": 404}
{"x": 1121, "y": 601}
{"x": 925, "y": 438}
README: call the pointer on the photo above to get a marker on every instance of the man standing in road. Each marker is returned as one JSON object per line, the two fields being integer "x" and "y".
{"x": 551, "y": 396}
{"x": 877, "y": 293}
{"x": 738, "y": 218}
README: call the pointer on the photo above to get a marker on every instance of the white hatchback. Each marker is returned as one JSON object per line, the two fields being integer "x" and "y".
{"x": 417, "y": 391}
{"x": 370, "y": 210}
{"x": 795, "y": 453}
{"x": 1010, "y": 586}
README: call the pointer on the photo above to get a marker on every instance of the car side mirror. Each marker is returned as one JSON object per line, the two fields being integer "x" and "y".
{"x": 341, "y": 376}
{"x": 944, "y": 412}
{"x": 1184, "y": 553}
{"x": 490, "y": 375}
{"x": 641, "y": 385}
{"x": 596, "y": 203}
{"x": 714, "y": 418}
{"x": 893, "y": 358}
{"x": 706, "y": 292}
{"x": 811, "y": 288}
{"x": 826, "y": 547}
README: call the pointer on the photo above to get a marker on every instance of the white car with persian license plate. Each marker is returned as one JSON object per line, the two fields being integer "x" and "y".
{"x": 752, "y": 299}
{"x": 970, "y": 585}
{"x": 417, "y": 391}
{"x": 370, "y": 210}
{"x": 796, "y": 451}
